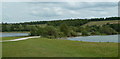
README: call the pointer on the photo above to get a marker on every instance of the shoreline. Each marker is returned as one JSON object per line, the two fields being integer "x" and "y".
{"x": 14, "y": 32}
{"x": 18, "y": 39}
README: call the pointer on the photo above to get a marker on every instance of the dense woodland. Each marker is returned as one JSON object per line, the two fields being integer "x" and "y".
{"x": 64, "y": 28}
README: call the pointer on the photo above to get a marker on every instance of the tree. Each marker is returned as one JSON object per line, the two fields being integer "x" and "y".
{"x": 107, "y": 30}
{"x": 115, "y": 27}
{"x": 48, "y": 31}
{"x": 65, "y": 29}
{"x": 34, "y": 31}
{"x": 85, "y": 33}
{"x": 51, "y": 31}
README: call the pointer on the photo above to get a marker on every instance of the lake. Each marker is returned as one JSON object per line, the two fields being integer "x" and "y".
{"x": 106, "y": 38}
{"x": 13, "y": 34}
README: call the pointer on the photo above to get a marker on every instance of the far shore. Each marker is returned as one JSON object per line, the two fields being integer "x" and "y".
{"x": 14, "y": 32}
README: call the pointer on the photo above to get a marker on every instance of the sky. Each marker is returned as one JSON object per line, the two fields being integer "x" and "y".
{"x": 14, "y": 12}
{"x": 60, "y": 0}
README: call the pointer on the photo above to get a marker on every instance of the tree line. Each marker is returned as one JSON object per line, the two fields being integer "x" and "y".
{"x": 7, "y": 27}
{"x": 71, "y": 22}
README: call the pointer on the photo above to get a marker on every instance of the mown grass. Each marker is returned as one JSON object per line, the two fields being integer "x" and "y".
{"x": 43, "y": 47}
{"x": 101, "y": 22}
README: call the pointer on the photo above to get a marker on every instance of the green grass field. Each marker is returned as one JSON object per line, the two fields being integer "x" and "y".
{"x": 43, "y": 47}
{"x": 101, "y": 22}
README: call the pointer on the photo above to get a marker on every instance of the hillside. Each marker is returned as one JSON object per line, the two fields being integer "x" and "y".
{"x": 99, "y": 23}
{"x": 26, "y": 26}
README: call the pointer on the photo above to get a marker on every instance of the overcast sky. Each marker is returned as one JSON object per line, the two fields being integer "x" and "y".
{"x": 39, "y": 11}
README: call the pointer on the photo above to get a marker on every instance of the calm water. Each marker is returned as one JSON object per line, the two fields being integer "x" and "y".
{"x": 13, "y": 34}
{"x": 107, "y": 38}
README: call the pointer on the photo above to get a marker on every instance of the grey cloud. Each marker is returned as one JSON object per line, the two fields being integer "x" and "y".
{"x": 59, "y": 10}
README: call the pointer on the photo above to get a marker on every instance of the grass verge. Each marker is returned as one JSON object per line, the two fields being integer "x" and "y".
{"x": 11, "y": 38}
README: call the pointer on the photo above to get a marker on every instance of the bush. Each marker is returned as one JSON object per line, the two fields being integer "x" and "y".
{"x": 107, "y": 30}
{"x": 85, "y": 33}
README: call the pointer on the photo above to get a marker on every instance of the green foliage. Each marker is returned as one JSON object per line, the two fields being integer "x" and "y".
{"x": 65, "y": 28}
{"x": 34, "y": 31}
{"x": 85, "y": 33}
{"x": 71, "y": 31}
{"x": 48, "y": 31}
{"x": 115, "y": 27}
{"x": 53, "y": 32}
{"x": 60, "y": 34}
{"x": 68, "y": 30}
{"x": 7, "y": 27}
{"x": 107, "y": 30}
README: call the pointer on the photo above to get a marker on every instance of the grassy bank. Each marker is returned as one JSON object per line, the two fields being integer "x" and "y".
{"x": 99, "y": 23}
{"x": 43, "y": 47}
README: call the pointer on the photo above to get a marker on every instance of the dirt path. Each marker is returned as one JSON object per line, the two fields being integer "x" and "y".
{"x": 20, "y": 39}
